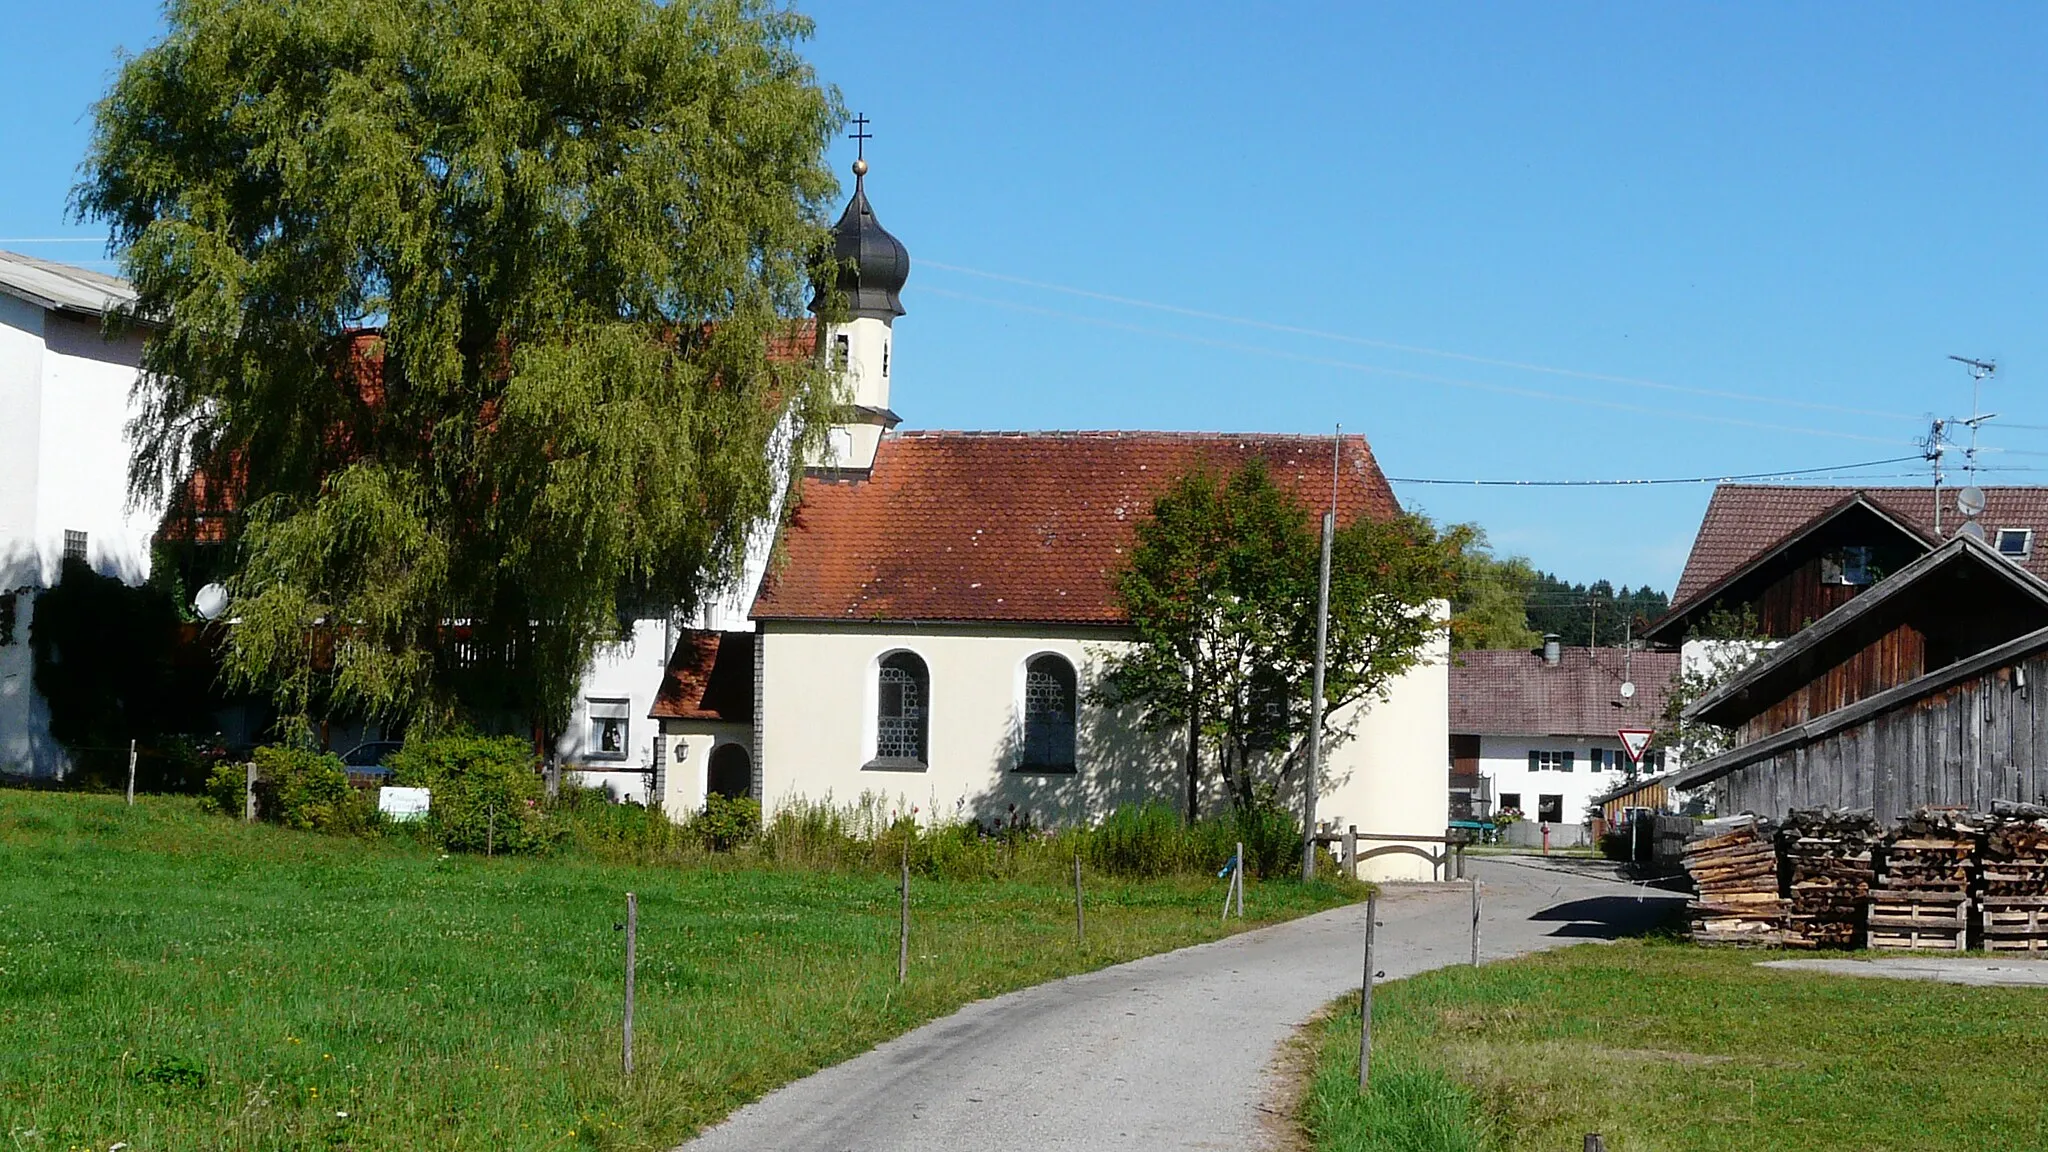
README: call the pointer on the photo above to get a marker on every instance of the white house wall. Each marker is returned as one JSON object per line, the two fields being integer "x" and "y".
{"x": 817, "y": 730}
{"x": 631, "y": 671}
{"x": 82, "y": 471}
{"x": 65, "y": 401}
{"x": 1505, "y": 759}
{"x": 21, "y": 421}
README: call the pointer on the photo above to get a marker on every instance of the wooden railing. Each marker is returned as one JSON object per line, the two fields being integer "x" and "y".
{"x": 1451, "y": 855}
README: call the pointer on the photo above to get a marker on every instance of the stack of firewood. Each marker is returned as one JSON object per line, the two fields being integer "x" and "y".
{"x": 1829, "y": 868}
{"x": 2013, "y": 872}
{"x": 1736, "y": 873}
{"x": 1923, "y": 897}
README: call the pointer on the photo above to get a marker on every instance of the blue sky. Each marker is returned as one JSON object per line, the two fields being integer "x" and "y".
{"x": 1526, "y": 242}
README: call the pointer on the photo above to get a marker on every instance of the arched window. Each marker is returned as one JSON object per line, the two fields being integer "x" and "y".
{"x": 1049, "y": 704}
{"x": 903, "y": 711}
{"x": 731, "y": 771}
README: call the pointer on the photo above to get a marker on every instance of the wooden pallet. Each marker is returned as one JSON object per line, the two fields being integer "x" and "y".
{"x": 2015, "y": 924}
{"x": 1919, "y": 919}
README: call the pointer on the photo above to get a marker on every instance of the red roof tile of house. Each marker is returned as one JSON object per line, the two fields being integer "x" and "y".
{"x": 710, "y": 676}
{"x": 1514, "y": 693}
{"x": 1017, "y": 526}
{"x": 1745, "y": 520}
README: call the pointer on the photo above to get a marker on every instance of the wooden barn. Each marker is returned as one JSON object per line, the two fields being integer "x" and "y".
{"x": 1919, "y": 691}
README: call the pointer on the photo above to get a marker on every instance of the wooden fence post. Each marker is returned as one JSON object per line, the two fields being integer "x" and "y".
{"x": 491, "y": 832}
{"x": 249, "y": 795}
{"x": 632, "y": 942}
{"x": 1351, "y": 850}
{"x": 131, "y": 773}
{"x": 903, "y": 937}
{"x": 1594, "y": 1143}
{"x": 1372, "y": 915}
{"x": 1080, "y": 917}
{"x": 1475, "y": 921}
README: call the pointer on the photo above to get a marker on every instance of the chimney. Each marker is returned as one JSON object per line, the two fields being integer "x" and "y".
{"x": 1552, "y": 652}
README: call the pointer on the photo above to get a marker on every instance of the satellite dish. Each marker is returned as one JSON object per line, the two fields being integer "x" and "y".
{"x": 211, "y": 601}
{"x": 1628, "y": 689}
{"x": 1971, "y": 529}
{"x": 1970, "y": 502}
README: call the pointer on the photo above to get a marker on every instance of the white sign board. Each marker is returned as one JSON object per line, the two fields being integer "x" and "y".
{"x": 1634, "y": 741}
{"x": 402, "y": 804}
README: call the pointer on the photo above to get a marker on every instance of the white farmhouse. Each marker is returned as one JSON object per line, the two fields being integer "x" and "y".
{"x": 943, "y": 609}
{"x": 64, "y": 408}
{"x": 1539, "y": 731}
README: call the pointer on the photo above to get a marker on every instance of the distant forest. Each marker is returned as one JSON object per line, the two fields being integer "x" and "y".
{"x": 1591, "y": 614}
{"x": 1507, "y": 603}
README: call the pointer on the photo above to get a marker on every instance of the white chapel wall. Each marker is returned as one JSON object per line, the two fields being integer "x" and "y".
{"x": 817, "y": 731}
{"x": 818, "y": 700}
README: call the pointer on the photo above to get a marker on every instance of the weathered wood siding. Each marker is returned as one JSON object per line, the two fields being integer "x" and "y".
{"x": 1967, "y": 744}
{"x": 1887, "y": 662}
{"x": 1798, "y": 598}
{"x": 1653, "y": 794}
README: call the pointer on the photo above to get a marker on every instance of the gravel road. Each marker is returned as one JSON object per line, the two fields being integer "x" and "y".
{"x": 1172, "y": 1051}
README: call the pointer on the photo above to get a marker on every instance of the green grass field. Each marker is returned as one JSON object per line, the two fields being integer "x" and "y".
{"x": 172, "y": 979}
{"x": 1664, "y": 1047}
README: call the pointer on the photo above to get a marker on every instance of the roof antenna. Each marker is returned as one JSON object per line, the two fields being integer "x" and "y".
{"x": 1931, "y": 450}
{"x": 1980, "y": 370}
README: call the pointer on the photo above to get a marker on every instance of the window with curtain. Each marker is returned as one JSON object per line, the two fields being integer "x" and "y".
{"x": 1049, "y": 711}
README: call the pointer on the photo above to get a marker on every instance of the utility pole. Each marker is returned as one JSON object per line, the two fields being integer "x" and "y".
{"x": 1315, "y": 703}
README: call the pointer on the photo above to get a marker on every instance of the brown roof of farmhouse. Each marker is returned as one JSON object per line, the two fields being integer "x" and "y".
{"x": 1514, "y": 693}
{"x": 1745, "y": 520}
{"x": 1017, "y": 526}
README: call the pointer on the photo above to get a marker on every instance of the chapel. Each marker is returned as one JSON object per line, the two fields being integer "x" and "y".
{"x": 942, "y": 602}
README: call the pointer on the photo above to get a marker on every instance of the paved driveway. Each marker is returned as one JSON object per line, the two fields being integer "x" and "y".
{"x": 1172, "y": 1051}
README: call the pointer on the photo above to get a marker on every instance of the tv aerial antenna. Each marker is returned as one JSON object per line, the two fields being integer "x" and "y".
{"x": 1980, "y": 371}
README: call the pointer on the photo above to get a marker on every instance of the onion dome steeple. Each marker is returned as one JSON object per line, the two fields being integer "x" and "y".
{"x": 873, "y": 265}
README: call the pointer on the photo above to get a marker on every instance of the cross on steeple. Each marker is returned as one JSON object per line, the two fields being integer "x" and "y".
{"x": 860, "y": 136}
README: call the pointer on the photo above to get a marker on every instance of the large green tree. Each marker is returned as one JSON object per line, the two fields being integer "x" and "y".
{"x": 1221, "y": 591}
{"x": 576, "y": 231}
{"x": 1492, "y": 605}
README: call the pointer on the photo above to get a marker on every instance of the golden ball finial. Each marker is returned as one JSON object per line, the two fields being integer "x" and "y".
{"x": 860, "y": 167}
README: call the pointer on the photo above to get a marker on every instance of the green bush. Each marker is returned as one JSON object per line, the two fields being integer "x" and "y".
{"x": 295, "y": 787}
{"x": 727, "y": 822}
{"x": 486, "y": 792}
{"x": 225, "y": 788}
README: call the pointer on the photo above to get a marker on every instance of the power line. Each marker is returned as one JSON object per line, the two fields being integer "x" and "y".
{"x": 1319, "y": 334}
{"x": 1424, "y": 377}
{"x": 1637, "y": 483}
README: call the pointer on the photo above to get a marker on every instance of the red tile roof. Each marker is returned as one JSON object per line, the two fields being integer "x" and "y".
{"x": 710, "y": 676}
{"x": 1514, "y": 693}
{"x": 1017, "y": 526}
{"x": 1745, "y": 520}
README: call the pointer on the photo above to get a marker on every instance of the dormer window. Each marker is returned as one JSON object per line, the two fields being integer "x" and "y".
{"x": 842, "y": 349}
{"x": 1850, "y": 566}
{"x": 2015, "y": 543}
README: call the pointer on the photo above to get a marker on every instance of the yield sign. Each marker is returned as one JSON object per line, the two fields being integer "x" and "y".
{"x": 1635, "y": 741}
